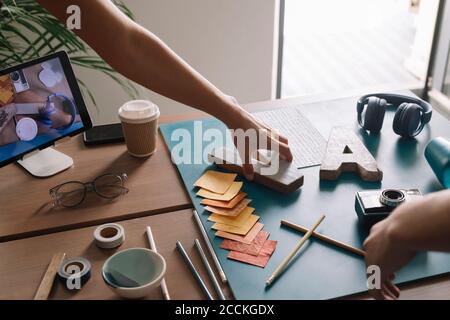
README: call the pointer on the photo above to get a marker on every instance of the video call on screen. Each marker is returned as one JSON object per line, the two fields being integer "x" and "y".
{"x": 36, "y": 107}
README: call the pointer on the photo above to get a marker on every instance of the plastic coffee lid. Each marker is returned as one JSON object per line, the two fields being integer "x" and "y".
{"x": 26, "y": 129}
{"x": 138, "y": 111}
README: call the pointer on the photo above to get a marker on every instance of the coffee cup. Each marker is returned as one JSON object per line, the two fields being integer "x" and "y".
{"x": 139, "y": 120}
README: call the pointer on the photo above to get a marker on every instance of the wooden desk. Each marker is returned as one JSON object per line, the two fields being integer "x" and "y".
{"x": 24, "y": 262}
{"x": 26, "y": 208}
{"x": 155, "y": 188}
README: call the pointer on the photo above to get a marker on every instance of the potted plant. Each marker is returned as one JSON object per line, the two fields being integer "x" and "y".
{"x": 28, "y": 31}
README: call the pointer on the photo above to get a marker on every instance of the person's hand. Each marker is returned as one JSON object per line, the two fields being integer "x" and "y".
{"x": 266, "y": 138}
{"x": 385, "y": 250}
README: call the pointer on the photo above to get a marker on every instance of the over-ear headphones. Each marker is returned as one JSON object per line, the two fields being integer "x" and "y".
{"x": 410, "y": 118}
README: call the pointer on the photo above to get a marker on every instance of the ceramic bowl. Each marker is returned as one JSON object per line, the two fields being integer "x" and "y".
{"x": 133, "y": 273}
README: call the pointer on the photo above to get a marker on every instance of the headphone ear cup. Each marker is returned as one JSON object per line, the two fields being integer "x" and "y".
{"x": 374, "y": 117}
{"x": 407, "y": 119}
{"x": 397, "y": 124}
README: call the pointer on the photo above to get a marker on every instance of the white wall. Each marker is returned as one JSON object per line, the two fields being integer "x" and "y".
{"x": 231, "y": 42}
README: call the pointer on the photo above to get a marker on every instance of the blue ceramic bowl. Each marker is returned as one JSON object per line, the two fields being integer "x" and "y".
{"x": 133, "y": 273}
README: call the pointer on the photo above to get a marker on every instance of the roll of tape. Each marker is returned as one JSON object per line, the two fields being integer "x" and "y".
{"x": 74, "y": 269}
{"x": 109, "y": 236}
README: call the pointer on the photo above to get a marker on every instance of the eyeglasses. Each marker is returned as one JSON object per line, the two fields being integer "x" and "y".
{"x": 73, "y": 193}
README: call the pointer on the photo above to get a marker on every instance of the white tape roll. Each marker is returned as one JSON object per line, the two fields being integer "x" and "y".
{"x": 108, "y": 236}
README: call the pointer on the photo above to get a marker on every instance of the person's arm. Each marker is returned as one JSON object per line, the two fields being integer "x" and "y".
{"x": 141, "y": 56}
{"x": 416, "y": 226}
{"x": 424, "y": 225}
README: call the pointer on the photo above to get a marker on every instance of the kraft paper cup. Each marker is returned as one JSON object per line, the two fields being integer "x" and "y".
{"x": 139, "y": 120}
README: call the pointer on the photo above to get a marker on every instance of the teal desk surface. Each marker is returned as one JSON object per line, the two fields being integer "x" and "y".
{"x": 322, "y": 271}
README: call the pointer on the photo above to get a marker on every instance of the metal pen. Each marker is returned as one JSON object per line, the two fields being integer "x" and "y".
{"x": 210, "y": 270}
{"x": 193, "y": 270}
{"x": 210, "y": 248}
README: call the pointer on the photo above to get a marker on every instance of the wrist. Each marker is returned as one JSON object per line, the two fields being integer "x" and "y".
{"x": 229, "y": 112}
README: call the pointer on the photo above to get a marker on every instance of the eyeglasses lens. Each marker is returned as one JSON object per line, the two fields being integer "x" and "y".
{"x": 70, "y": 194}
{"x": 109, "y": 186}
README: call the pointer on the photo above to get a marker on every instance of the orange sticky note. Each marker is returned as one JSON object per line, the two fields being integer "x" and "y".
{"x": 225, "y": 204}
{"x": 227, "y": 196}
{"x": 6, "y": 90}
{"x": 242, "y": 230}
{"x": 248, "y": 238}
{"x": 233, "y": 221}
{"x": 230, "y": 212}
{"x": 253, "y": 248}
{"x": 214, "y": 181}
{"x": 261, "y": 259}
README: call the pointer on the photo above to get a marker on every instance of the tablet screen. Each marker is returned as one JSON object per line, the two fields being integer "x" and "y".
{"x": 40, "y": 102}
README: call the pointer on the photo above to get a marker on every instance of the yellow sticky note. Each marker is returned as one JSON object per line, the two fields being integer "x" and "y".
{"x": 215, "y": 181}
{"x": 233, "y": 221}
{"x": 234, "y": 212}
{"x": 241, "y": 230}
{"x": 227, "y": 196}
{"x": 5, "y": 95}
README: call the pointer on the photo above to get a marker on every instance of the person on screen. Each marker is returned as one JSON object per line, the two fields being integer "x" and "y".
{"x": 415, "y": 226}
{"x": 142, "y": 57}
{"x": 47, "y": 118}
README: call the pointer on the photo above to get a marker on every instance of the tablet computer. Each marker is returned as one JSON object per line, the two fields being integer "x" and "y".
{"x": 40, "y": 103}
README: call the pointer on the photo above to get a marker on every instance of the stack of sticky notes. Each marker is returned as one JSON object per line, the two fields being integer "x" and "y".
{"x": 6, "y": 90}
{"x": 234, "y": 220}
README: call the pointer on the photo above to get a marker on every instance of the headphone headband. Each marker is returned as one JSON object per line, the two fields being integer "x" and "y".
{"x": 397, "y": 100}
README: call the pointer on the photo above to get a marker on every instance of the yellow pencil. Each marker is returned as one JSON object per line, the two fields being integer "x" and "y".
{"x": 297, "y": 247}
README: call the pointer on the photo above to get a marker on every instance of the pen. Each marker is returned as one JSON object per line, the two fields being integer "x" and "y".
{"x": 209, "y": 269}
{"x": 193, "y": 270}
{"x": 210, "y": 248}
{"x": 151, "y": 242}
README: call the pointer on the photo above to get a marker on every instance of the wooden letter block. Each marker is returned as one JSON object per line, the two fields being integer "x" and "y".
{"x": 287, "y": 178}
{"x": 346, "y": 153}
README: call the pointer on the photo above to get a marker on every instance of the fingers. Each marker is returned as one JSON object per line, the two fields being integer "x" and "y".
{"x": 380, "y": 294}
{"x": 393, "y": 289}
{"x": 285, "y": 152}
{"x": 388, "y": 291}
{"x": 377, "y": 294}
{"x": 249, "y": 172}
{"x": 282, "y": 148}
{"x": 245, "y": 152}
{"x": 274, "y": 133}
{"x": 262, "y": 138}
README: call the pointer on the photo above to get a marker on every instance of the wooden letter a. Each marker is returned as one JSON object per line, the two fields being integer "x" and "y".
{"x": 346, "y": 153}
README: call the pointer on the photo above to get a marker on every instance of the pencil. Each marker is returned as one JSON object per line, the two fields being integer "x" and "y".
{"x": 210, "y": 270}
{"x": 294, "y": 251}
{"x": 193, "y": 270}
{"x": 325, "y": 238}
{"x": 210, "y": 248}
{"x": 151, "y": 242}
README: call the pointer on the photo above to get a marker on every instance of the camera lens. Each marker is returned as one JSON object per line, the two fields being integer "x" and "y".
{"x": 392, "y": 197}
{"x": 15, "y": 76}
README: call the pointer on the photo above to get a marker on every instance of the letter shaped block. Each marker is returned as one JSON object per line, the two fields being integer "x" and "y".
{"x": 346, "y": 153}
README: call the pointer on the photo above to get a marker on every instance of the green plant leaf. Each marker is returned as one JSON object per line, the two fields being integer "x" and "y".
{"x": 28, "y": 31}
